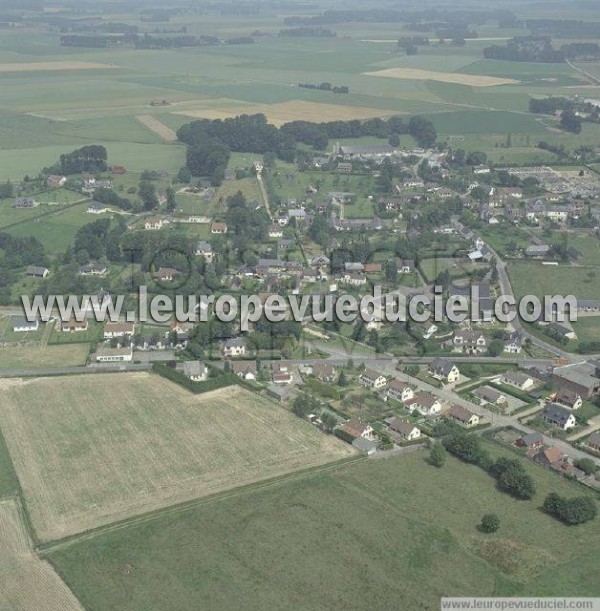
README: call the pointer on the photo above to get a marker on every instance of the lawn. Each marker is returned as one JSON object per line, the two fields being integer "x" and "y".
{"x": 385, "y": 534}
{"x": 91, "y": 450}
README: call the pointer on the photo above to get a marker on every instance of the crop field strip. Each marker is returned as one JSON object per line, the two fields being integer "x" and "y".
{"x": 89, "y": 452}
{"x": 28, "y": 583}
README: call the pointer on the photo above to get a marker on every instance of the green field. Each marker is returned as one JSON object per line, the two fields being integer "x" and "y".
{"x": 532, "y": 278}
{"x": 388, "y": 534}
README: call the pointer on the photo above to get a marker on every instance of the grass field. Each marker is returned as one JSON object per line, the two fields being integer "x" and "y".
{"x": 529, "y": 278}
{"x": 28, "y": 583}
{"x": 37, "y": 357}
{"x": 90, "y": 450}
{"x": 472, "y": 80}
{"x": 385, "y": 534}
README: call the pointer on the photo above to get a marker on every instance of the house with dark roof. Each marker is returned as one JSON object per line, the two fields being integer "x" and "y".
{"x": 444, "y": 370}
{"x": 403, "y": 429}
{"x": 36, "y": 271}
{"x": 530, "y": 441}
{"x": 549, "y": 457}
{"x": 559, "y": 416}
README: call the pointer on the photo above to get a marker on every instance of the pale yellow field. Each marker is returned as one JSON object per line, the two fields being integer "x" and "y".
{"x": 281, "y": 113}
{"x": 152, "y": 123}
{"x": 91, "y": 450}
{"x": 51, "y": 66}
{"x": 473, "y": 80}
{"x": 27, "y": 583}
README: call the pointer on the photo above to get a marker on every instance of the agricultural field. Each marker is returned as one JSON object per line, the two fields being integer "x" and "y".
{"x": 91, "y": 450}
{"x": 28, "y": 582}
{"x": 382, "y": 534}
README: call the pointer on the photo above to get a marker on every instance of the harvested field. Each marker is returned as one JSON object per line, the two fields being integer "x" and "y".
{"x": 152, "y": 123}
{"x": 278, "y": 114}
{"x": 52, "y": 66}
{"x": 472, "y": 80}
{"x": 91, "y": 450}
{"x": 27, "y": 583}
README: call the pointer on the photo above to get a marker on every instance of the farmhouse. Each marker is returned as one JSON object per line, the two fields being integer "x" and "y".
{"x": 444, "y": 370}
{"x": 399, "y": 391}
{"x": 583, "y": 378}
{"x": 113, "y": 355}
{"x": 74, "y": 326}
{"x": 118, "y": 329}
{"x": 195, "y": 371}
{"x": 462, "y": 416}
{"x": 358, "y": 428}
{"x": 247, "y": 370}
{"x": 372, "y": 379}
{"x": 404, "y": 429}
{"x": 559, "y": 416}
{"x": 218, "y": 228}
{"x": 516, "y": 379}
{"x": 35, "y": 271}
{"x": 22, "y": 325}
{"x": 235, "y": 346}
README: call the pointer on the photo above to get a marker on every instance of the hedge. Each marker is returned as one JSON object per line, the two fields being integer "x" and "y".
{"x": 226, "y": 379}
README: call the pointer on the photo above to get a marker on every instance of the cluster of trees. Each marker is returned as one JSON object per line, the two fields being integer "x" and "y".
{"x": 571, "y": 511}
{"x": 325, "y": 86}
{"x": 240, "y": 40}
{"x": 174, "y": 42}
{"x": 210, "y": 142}
{"x": 245, "y": 222}
{"x": 92, "y": 42}
{"x": 97, "y": 240}
{"x": 510, "y": 475}
{"x": 18, "y": 252}
{"x": 317, "y": 32}
{"x": 411, "y": 44}
{"x": 570, "y": 121}
{"x": 538, "y": 48}
{"x": 112, "y": 198}
{"x": 549, "y": 106}
{"x": 412, "y": 17}
{"x": 526, "y": 49}
{"x": 90, "y": 158}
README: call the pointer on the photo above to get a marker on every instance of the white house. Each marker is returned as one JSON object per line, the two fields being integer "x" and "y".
{"x": 425, "y": 403}
{"x": 372, "y": 379}
{"x": 444, "y": 370}
{"x": 399, "y": 391}
{"x": 559, "y": 416}
{"x": 118, "y": 329}
{"x": 195, "y": 371}
{"x": 404, "y": 429}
